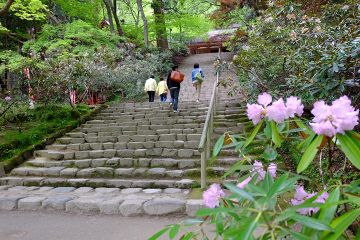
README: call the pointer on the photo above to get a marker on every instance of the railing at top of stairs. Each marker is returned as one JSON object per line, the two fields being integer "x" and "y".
{"x": 205, "y": 141}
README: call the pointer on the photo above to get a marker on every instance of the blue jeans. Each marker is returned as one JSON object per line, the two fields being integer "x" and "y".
{"x": 174, "y": 92}
{"x": 163, "y": 97}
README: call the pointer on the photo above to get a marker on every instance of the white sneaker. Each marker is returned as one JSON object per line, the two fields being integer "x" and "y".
{"x": 176, "y": 111}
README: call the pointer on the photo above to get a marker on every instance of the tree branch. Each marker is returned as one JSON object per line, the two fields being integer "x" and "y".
{"x": 5, "y": 9}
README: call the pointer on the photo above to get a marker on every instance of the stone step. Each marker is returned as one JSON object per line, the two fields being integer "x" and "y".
{"x": 115, "y": 173}
{"x": 129, "y": 162}
{"x": 103, "y": 137}
{"x": 116, "y": 131}
{"x": 122, "y": 153}
{"x": 125, "y": 202}
{"x": 98, "y": 182}
{"x": 191, "y": 144}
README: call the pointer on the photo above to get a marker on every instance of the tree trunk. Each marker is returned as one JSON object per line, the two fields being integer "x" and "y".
{"x": 109, "y": 12}
{"x": 141, "y": 10}
{"x": 160, "y": 27}
{"x": 6, "y": 7}
{"x": 117, "y": 21}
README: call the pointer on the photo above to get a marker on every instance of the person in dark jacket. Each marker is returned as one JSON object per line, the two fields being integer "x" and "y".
{"x": 174, "y": 90}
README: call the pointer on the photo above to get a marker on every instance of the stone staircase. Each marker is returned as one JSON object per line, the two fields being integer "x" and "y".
{"x": 137, "y": 150}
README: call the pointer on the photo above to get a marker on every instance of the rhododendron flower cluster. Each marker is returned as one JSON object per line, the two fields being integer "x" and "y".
{"x": 258, "y": 169}
{"x": 338, "y": 117}
{"x": 211, "y": 197}
{"x": 301, "y": 195}
{"x": 278, "y": 111}
{"x": 8, "y": 98}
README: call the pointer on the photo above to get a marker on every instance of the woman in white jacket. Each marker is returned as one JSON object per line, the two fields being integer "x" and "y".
{"x": 150, "y": 88}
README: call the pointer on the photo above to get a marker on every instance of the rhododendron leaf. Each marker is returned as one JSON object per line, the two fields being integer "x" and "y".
{"x": 159, "y": 234}
{"x": 296, "y": 235}
{"x": 205, "y": 212}
{"x": 328, "y": 211}
{"x": 174, "y": 230}
{"x": 350, "y": 148}
{"x": 340, "y": 224}
{"x": 275, "y": 135}
{"x": 234, "y": 189}
{"x": 267, "y": 130}
{"x": 301, "y": 124}
{"x": 218, "y": 145}
{"x": 309, "y": 154}
{"x": 305, "y": 143}
{"x": 269, "y": 154}
{"x": 311, "y": 222}
{"x": 353, "y": 198}
{"x": 253, "y": 133}
{"x": 188, "y": 236}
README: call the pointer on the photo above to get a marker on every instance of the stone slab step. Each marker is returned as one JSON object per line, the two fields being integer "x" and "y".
{"x": 115, "y": 172}
{"x": 129, "y": 162}
{"x": 126, "y": 202}
{"x": 122, "y": 153}
{"x": 98, "y": 182}
{"x": 129, "y": 142}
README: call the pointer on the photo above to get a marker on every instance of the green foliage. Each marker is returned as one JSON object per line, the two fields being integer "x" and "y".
{"x": 73, "y": 38}
{"x": 290, "y": 53}
{"x": 259, "y": 212}
{"x": 36, "y": 125}
{"x": 87, "y": 11}
{"x": 30, "y": 10}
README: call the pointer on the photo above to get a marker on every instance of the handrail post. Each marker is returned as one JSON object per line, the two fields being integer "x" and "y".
{"x": 203, "y": 170}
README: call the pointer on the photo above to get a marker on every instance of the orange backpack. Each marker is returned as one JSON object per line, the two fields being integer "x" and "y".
{"x": 177, "y": 76}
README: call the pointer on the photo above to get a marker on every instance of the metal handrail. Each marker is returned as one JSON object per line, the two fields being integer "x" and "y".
{"x": 205, "y": 140}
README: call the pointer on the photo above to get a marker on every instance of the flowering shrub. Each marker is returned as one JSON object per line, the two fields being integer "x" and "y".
{"x": 259, "y": 210}
{"x": 267, "y": 205}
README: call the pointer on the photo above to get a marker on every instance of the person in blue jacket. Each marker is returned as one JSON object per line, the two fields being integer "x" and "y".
{"x": 197, "y": 77}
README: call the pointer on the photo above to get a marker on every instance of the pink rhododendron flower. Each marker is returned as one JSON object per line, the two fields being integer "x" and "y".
{"x": 258, "y": 169}
{"x": 277, "y": 111}
{"x": 301, "y": 195}
{"x": 337, "y": 118}
{"x": 244, "y": 183}
{"x": 272, "y": 169}
{"x": 294, "y": 106}
{"x": 264, "y": 99}
{"x": 255, "y": 113}
{"x": 8, "y": 98}
{"x": 211, "y": 197}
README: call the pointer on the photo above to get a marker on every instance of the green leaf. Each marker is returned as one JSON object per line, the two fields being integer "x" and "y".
{"x": 269, "y": 154}
{"x": 328, "y": 211}
{"x": 309, "y": 154}
{"x": 204, "y": 212}
{"x": 281, "y": 184}
{"x": 340, "y": 224}
{"x": 353, "y": 198}
{"x": 249, "y": 228}
{"x": 253, "y": 133}
{"x": 187, "y": 236}
{"x": 159, "y": 234}
{"x": 296, "y": 235}
{"x": 192, "y": 221}
{"x": 275, "y": 135}
{"x": 301, "y": 124}
{"x": 174, "y": 230}
{"x": 218, "y": 145}
{"x": 234, "y": 189}
{"x": 267, "y": 130}
{"x": 350, "y": 148}
{"x": 311, "y": 222}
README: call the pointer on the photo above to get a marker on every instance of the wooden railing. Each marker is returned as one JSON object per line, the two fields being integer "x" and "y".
{"x": 205, "y": 141}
